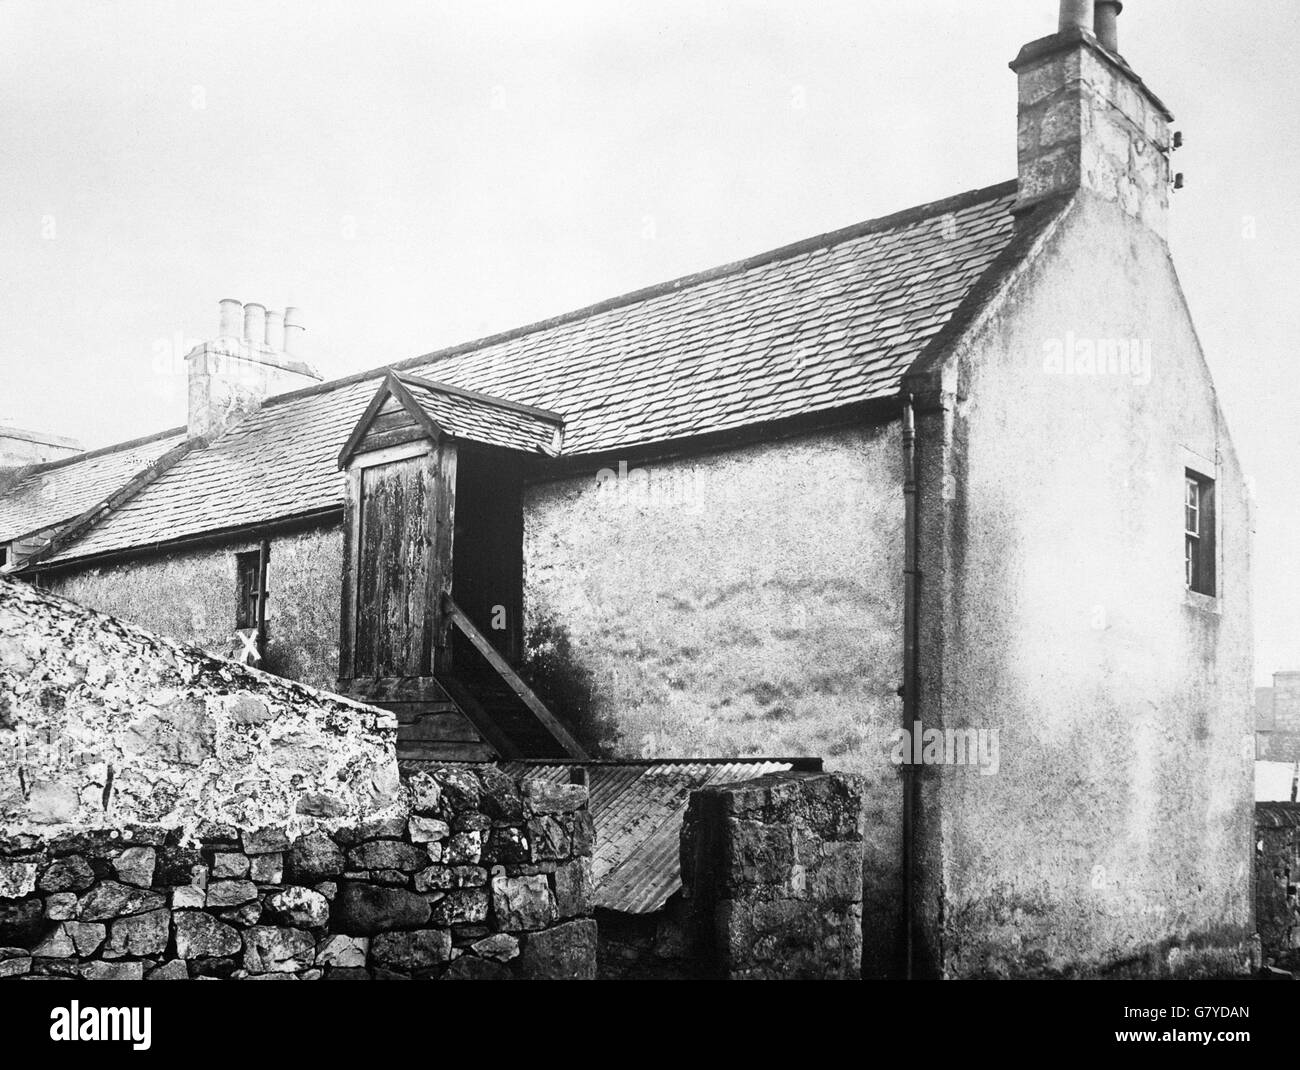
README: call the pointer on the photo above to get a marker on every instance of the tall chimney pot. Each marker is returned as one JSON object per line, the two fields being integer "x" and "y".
{"x": 275, "y": 329}
{"x": 1106, "y": 20}
{"x": 254, "y": 322}
{"x": 293, "y": 331}
{"x": 1076, "y": 14}
{"x": 232, "y": 318}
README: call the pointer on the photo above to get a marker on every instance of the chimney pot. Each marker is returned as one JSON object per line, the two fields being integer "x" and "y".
{"x": 254, "y": 323}
{"x": 1076, "y": 14}
{"x": 1106, "y": 19}
{"x": 293, "y": 331}
{"x": 232, "y": 316}
{"x": 275, "y": 329}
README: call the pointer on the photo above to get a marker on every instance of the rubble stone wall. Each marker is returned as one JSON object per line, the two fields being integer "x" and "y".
{"x": 772, "y": 876}
{"x": 103, "y": 725}
{"x": 474, "y": 877}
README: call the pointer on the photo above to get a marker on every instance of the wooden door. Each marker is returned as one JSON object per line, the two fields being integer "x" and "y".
{"x": 398, "y": 528}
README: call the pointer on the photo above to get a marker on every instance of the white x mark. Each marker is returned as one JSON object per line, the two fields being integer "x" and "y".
{"x": 249, "y": 639}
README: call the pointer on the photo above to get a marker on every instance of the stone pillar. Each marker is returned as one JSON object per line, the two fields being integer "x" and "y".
{"x": 772, "y": 877}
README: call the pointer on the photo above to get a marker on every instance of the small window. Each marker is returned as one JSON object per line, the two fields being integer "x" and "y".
{"x": 248, "y": 571}
{"x": 1198, "y": 533}
{"x": 4, "y": 556}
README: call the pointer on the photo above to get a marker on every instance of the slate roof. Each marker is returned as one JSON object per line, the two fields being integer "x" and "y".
{"x": 54, "y": 493}
{"x": 812, "y": 327}
{"x": 480, "y": 418}
{"x": 637, "y": 809}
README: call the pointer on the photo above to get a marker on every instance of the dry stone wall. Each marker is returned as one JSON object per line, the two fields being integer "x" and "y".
{"x": 473, "y": 876}
{"x": 772, "y": 877}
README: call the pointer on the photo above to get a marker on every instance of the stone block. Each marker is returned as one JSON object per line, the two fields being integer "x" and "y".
{"x": 139, "y": 935}
{"x": 278, "y": 949}
{"x": 543, "y": 797}
{"x": 267, "y": 868}
{"x": 135, "y": 865}
{"x": 505, "y": 845}
{"x": 425, "y": 794}
{"x": 61, "y": 906}
{"x": 299, "y": 907}
{"x": 461, "y": 789}
{"x": 109, "y": 900}
{"x": 112, "y": 971}
{"x": 573, "y": 888}
{"x": 416, "y": 950}
{"x": 264, "y": 841}
{"x": 388, "y": 854}
{"x": 549, "y": 838}
{"x": 462, "y": 906}
{"x": 500, "y": 798}
{"x": 200, "y": 935}
{"x": 427, "y": 829}
{"x": 314, "y": 857}
{"x": 339, "y": 950}
{"x": 229, "y": 865}
{"x": 566, "y": 952}
{"x": 463, "y": 848}
{"x": 17, "y": 879}
{"x": 223, "y": 894}
{"x": 522, "y": 903}
{"x": 365, "y": 909}
{"x": 499, "y": 946}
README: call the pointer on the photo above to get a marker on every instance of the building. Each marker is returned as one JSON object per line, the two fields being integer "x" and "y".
{"x": 1277, "y": 719}
{"x": 958, "y": 473}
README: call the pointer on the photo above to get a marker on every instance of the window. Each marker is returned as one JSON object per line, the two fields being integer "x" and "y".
{"x": 4, "y": 556}
{"x": 248, "y": 573}
{"x": 1198, "y": 533}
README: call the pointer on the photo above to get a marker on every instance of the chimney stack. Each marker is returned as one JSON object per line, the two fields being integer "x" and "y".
{"x": 249, "y": 361}
{"x": 1088, "y": 122}
{"x": 1106, "y": 23}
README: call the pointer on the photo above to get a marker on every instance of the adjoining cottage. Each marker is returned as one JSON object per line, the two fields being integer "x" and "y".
{"x": 958, "y": 473}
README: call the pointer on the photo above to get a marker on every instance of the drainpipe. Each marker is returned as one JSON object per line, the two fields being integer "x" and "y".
{"x": 908, "y": 690}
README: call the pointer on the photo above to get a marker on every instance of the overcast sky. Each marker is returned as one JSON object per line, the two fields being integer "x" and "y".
{"x": 413, "y": 175}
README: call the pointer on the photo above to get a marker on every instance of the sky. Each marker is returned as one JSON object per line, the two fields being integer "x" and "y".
{"x": 413, "y": 175}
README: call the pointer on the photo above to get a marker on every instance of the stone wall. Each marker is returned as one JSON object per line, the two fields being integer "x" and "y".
{"x": 772, "y": 877}
{"x": 473, "y": 877}
{"x": 1277, "y": 877}
{"x": 103, "y": 724}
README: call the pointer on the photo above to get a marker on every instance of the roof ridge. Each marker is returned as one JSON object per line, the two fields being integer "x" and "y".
{"x": 830, "y": 238}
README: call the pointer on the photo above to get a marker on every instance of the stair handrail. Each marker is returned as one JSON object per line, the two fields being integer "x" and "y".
{"x": 512, "y": 679}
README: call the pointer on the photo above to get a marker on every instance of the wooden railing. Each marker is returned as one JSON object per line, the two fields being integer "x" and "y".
{"x": 511, "y": 679}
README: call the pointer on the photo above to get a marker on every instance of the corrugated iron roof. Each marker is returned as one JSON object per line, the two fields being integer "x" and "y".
{"x": 1277, "y": 815}
{"x": 637, "y": 809}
